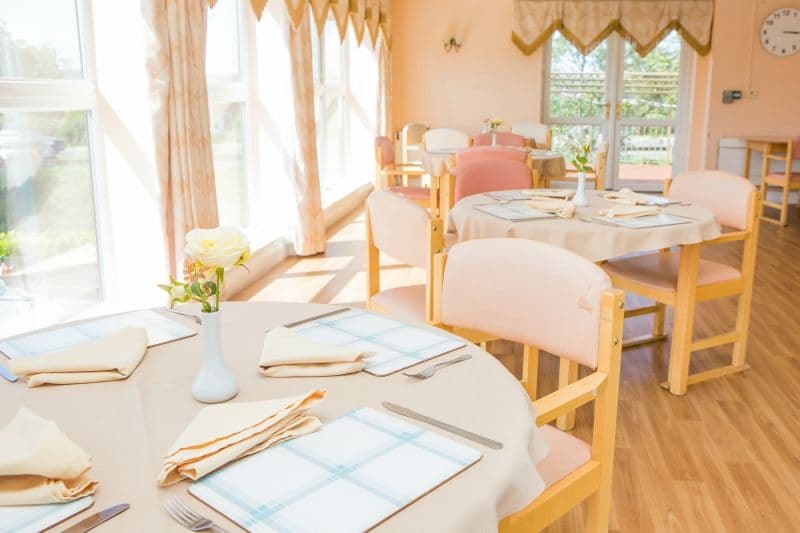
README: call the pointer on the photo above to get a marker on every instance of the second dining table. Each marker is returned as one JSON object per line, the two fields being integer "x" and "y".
{"x": 599, "y": 240}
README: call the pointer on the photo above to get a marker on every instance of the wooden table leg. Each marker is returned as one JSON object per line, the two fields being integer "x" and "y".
{"x": 680, "y": 352}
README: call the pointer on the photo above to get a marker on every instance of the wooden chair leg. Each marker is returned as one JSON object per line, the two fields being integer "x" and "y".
{"x": 785, "y": 206}
{"x": 530, "y": 369}
{"x": 680, "y": 352}
{"x": 658, "y": 320}
{"x": 567, "y": 373}
{"x": 599, "y": 506}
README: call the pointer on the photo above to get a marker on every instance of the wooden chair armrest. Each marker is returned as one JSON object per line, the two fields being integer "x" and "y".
{"x": 732, "y": 236}
{"x": 397, "y": 172}
{"x": 776, "y": 157}
{"x": 568, "y": 398}
{"x": 413, "y": 165}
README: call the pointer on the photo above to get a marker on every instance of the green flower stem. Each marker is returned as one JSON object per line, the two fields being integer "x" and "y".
{"x": 219, "y": 287}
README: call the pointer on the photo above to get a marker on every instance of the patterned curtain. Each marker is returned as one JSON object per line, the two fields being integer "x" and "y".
{"x": 179, "y": 98}
{"x": 309, "y": 231}
{"x": 586, "y": 23}
{"x": 363, "y": 15}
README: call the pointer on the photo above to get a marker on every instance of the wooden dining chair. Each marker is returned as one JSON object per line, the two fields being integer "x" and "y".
{"x": 597, "y": 176}
{"x": 484, "y": 175}
{"x": 387, "y": 171}
{"x": 681, "y": 279}
{"x": 504, "y": 138}
{"x": 787, "y": 180}
{"x": 445, "y": 138}
{"x": 411, "y": 144}
{"x": 545, "y": 297}
{"x": 406, "y": 232}
{"x": 539, "y": 135}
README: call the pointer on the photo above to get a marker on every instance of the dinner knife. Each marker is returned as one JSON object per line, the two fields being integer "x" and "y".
{"x": 7, "y": 375}
{"x": 97, "y": 518}
{"x": 474, "y": 437}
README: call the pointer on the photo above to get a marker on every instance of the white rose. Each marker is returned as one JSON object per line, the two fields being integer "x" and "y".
{"x": 177, "y": 292}
{"x": 217, "y": 248}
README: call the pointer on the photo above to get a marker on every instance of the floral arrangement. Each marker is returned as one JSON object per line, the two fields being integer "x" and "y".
{"x": 492, "y": 124}
{"x": 208, "y": 253}
{"x": 581, "y": 159}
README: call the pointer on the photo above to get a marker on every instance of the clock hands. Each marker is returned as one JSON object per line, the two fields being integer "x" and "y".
{"x": 793, "y": 32}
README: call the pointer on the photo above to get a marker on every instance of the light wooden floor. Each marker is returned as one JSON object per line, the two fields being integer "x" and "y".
{"x": 725, "y": 457}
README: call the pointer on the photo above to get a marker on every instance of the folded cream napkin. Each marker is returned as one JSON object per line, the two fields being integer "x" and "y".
{"x": 563, "y": 194}
{"x": 39, "y": 464}
{"x": 108, "y": 358}
{"x": 562, "y": 208}
{"x": 222, "y": 433}
{"x": 627, "y": 196}
{"x": 287, "y": 354}
{"x": 630, "y": 211}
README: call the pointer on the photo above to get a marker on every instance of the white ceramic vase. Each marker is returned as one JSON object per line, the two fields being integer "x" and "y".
{"x": 215, "y": 382}
{"x": 494, "y": 138}
{"x": 580, "y": 198}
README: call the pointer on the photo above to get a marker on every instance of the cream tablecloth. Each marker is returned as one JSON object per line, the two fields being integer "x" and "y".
{"x": 547, "y": 162}
{"x": 596, "y": 242}
{"x": 128, "y": 426}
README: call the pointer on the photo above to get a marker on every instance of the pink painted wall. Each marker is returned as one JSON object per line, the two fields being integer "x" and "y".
{"x": 738, "y": 61}
{"x": 490, "y": 76}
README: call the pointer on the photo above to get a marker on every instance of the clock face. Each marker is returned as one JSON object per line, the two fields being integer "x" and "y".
{"x": 780, "y": 33}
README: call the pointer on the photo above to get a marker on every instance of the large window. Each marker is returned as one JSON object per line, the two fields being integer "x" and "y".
{"x": 228, "y": 104}
{"x": 347, "y": 105}
{"x": 50, "y": 266}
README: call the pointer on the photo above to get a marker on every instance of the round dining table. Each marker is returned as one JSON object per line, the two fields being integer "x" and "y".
{"x": 583, "y": 234}
{"x": 547, "y": 162}
{"x": 128, "y": 426}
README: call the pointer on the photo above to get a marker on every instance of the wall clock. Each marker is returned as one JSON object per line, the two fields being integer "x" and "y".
{"x": 780, "y": 33}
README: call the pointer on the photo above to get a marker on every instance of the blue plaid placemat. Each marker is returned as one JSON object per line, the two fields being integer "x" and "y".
{"x": 354, "y": 473}
{"x": 396, "y": 345}
{"x": 160, "y": 329}
{"x": 34, "y": 518}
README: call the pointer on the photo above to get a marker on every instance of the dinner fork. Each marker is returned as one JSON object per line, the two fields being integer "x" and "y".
{"x": 188, "y": 518}
{"x": 425, "y": 373}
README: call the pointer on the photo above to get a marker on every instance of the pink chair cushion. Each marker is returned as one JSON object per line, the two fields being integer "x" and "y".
{"x": 415, "y": 193}
{"x": 504, "y": 138}
{"x": 387, "y": 150}
{"x": 796, "y": 148}
{"x": 725, "y": 194}
{"x": 781, "y": 177}
{"x": 475, "y": 177}
{"x": 528, "y": 292}
{"x": 404, "y": 303}
{"x": 399, "y": 227}
{"x": 660, "y": 270}
{"x": 491, "y": 152}
{"x": 566, "y": 454}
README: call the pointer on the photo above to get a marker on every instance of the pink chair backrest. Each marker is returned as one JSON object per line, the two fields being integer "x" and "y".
{"x": 796, "y": 149}
{"x": 491, "y": 152}
{"x": 725, "y": 194}
{"x": 528, "y": 292}
{"x": 484, "y": 175}
{"x": 504, "y": 138}
{"x": 399, "y": 227}
{"x": 386, "y": 147}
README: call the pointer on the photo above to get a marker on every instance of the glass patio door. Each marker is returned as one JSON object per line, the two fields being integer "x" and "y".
{"x": 633, "y": 102}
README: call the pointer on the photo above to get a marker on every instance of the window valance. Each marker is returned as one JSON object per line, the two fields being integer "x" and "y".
{"x": 586, "y": 23}
{"x": 363, "y": 16}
